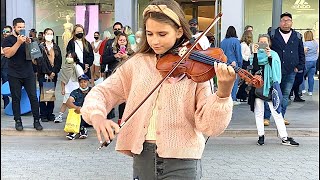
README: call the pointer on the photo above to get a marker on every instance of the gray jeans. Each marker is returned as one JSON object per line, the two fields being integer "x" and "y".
{"x": 149, "y": 166}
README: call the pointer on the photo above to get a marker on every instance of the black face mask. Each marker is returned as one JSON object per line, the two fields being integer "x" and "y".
{"x": 96, "y": 38}
{"x": 116, "y": 33}
{"x": 193, "y": 30}
{"x": 79, "y": 35}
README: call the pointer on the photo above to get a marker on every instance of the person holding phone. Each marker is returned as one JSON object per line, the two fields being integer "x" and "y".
{"x": 267, "y": 63}
{"x": 122, "y": 51}
{"x": 20, "y": 73}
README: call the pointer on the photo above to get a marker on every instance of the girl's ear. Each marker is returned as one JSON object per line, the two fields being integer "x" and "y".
{"x": 179, "y": 33}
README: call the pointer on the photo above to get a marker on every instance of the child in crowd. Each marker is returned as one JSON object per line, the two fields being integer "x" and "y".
{"x": 69, "y": 74}
{"x": 75, "y": 101}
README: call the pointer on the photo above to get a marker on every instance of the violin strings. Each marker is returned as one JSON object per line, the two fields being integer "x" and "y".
{"x": 195, "y": 55}
{"x": 209, "y": 60}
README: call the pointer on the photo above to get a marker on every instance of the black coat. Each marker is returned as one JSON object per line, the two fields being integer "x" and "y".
{"x": 88, "y": 56}
{"x": 291, "y": 53}
{"x": 43, "y": 63}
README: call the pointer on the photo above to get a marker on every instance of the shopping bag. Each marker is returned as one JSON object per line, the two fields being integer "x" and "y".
{"x": 73, "y": 122}
{"x": 35, "y": 50}
{"x": 28, "y": 49}
{"x": 47, "y": 92}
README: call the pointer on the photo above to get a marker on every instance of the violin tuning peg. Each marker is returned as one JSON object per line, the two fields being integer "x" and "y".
{"x": 182, "y": 51}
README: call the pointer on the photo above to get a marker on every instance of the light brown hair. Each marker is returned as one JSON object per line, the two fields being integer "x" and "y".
{"x": 308, "y": 36}
{"x": 161, "y": 17}
{"x": 116, "y": 46}
{"x": 247, "y": 37}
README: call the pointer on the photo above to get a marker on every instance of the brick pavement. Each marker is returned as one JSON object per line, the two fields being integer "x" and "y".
{"x": 224, "y": 158}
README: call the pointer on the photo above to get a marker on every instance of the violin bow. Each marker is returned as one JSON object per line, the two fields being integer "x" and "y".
{"x": 184, "y": 56}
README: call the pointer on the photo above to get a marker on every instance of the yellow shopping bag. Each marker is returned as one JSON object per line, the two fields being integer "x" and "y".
{"x": 73, "y": 122}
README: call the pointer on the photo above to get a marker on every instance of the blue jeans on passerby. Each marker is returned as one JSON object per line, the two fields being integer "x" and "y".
{"x": 267, "y": 112}
{"x": 4, "y": 78}
{"x": 310, "y": 70}
{"x": 286, "y": 86}
{"x": 235, "y": 89}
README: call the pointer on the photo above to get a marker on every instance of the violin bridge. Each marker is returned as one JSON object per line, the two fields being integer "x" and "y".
{"x": 182, "y": 51}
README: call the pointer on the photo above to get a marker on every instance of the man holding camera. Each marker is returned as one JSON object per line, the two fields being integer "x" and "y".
{"x": 20, "y": 73}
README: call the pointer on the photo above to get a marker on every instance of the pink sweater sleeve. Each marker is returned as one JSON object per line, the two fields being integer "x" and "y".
{"x": 213, "y": 114}
{"x": 104, "y": 96}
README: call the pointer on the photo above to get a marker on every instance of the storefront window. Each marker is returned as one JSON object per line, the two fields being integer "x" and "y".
{"x": 142, "y": 4}
{"x": 305, "y": 15}
{"x": 61, "y": 15}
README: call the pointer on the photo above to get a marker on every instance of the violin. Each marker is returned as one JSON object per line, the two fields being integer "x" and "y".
{"x": 198, "y": 66}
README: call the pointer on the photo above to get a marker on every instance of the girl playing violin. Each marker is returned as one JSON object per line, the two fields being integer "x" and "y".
{"x": 165, "y": 136}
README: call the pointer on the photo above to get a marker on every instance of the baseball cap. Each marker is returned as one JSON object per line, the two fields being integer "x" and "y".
{"x": 286, "y": 14}
{"x": 83, "y": 77}
{"x": 33, "y": 30}
{"x": 193, "y": 21}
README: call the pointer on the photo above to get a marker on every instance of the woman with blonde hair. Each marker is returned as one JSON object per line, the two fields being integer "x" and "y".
{"x": 311, "y": 50}
{"x": 245, "y": 43}
{"x": 82, "y": 48}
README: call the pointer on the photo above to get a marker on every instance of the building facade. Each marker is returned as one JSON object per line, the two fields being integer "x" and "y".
{"x": 99, "y": 15}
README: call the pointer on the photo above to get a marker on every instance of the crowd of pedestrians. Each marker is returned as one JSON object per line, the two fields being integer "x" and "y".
{"x": 294, "y": 55}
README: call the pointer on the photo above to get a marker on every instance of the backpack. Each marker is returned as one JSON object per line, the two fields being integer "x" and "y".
{"x": 272, "y": 32}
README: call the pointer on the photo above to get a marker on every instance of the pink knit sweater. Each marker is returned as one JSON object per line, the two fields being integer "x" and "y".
{"x": 186, "y": 109}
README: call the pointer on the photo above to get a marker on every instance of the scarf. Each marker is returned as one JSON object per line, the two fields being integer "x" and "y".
{"x": 272, "y": 73}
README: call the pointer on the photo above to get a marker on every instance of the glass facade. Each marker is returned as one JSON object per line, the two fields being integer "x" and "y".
{"x": 53, "y": 13}
{"x": 305, "y": 15}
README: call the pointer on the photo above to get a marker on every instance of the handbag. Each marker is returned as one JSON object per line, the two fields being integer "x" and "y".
{"x": 73, "y": 122}
{"x": 47, "y": 92}
{"x": 259, "y": 94}
{"x": 35, "y": 50}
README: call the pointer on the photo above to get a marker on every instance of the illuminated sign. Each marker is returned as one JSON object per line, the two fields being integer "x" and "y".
{"x": 302, "y": 5}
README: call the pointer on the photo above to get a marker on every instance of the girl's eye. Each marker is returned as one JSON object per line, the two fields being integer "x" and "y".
{"x": 162, "y": 34}
{"x": 149, "y": 34}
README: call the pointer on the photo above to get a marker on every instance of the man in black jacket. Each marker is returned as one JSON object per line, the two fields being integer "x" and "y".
{"x": 109, "y": 59}
{"x": 289, "y": 46}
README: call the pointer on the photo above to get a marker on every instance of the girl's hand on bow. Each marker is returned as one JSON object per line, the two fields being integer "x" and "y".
{"x": 105, "y": 128}
{"x": 226, "y": 77}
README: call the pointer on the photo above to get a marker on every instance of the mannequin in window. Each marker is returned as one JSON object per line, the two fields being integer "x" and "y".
{"x": 66, "y": 36}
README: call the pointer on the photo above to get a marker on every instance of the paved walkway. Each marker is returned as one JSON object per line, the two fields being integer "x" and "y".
{"x": 224, "y": 158}
{"x": 304, "y": 119}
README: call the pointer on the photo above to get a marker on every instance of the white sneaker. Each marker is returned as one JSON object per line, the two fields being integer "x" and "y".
{"x": 58, "y": 119}
{"x": 303, "y": 91}
{"x": 235, "y": 103}
{"x": 310, "y": 93}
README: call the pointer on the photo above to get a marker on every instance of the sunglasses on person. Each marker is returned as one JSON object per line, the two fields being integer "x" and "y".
{"x": 6, "y": 31}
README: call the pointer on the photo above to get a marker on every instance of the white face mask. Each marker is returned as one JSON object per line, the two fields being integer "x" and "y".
{"x": 84, "y": 89}
{"x": 138, "y": 40}
{"x": 69, "y": 60}
{"x": 48, "y": 37}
